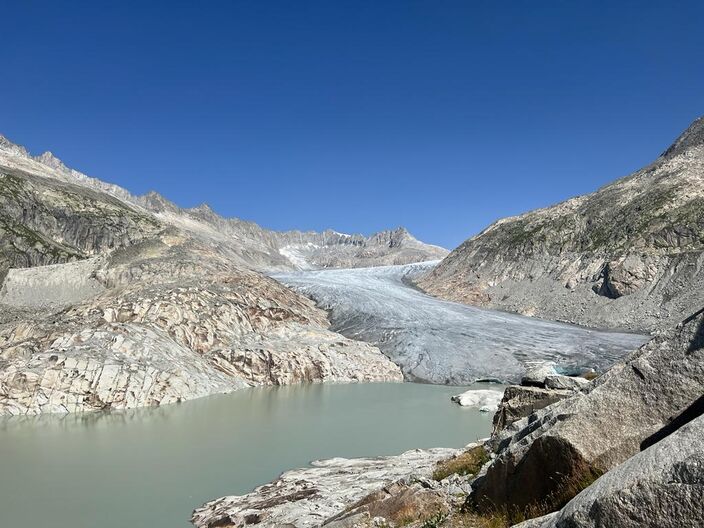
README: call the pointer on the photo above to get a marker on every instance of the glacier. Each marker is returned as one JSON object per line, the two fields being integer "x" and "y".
{"x": 443, "y": 342}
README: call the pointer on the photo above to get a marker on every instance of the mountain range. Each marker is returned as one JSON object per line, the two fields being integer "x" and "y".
{"x": 111, "y": 300}
{"x": 50, "y": 213}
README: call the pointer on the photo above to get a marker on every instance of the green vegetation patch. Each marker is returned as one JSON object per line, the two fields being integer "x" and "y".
{"x": 467, "y": 463}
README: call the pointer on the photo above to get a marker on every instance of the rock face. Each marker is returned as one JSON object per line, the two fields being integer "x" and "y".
{"x": 151, "y": 342}
{"x": 337, "y": 492}
{"x": 661, "y": 487}
{"x": 169, "y": 325}
{"x": 520, "y": 402}
{"x": 622, "y": 257}
{"x": 592, "y": 432}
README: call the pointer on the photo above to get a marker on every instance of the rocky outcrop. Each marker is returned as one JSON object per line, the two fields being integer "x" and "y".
{"x": 169, "y": 320}
{"x": 592, "y": 432}
{"x": 338, "y": 493}
{"x": 520, "y": 402}
{"x": 565, "y": 382}
{"x": 536, "y": 373}
{"x": 661, "y": 487}
{"x": 624, "y": 256}
{"x": 43, "y": 221}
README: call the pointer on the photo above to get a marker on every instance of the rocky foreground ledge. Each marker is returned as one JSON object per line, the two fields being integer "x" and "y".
{"x": 623, "y": 451}
{"x": 331, "y": 493}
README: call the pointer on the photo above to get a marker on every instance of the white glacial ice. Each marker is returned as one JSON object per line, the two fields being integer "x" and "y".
{"x": 486, "y": 399}
{"x": 444, "y": 342}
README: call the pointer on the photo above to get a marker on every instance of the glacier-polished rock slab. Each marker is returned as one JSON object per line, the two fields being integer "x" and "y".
{"x": 444, "y": 342}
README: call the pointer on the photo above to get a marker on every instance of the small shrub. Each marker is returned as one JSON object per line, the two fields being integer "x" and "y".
{"x": 435, "y": 521}
{"x": 505, "y": 516}
{"x": 467, "y": 463}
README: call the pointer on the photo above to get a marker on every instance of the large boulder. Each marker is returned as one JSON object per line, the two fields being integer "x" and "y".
{"x": 519, "y": 402}
{"x": 565, "y": 382}
{"x": 537, "y": 372}
{"x": 588, "y": 434}
{"x": 661, "y": 487}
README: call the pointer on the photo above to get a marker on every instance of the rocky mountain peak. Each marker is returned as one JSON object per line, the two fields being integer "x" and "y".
{"x": 155, "y": 202}
{"x": 393, "y": 237}
{"x": 12, "y": 148}
{"x": 205, "y": 212}
{"x": 692, "y": 137}
{"x": 48, "y": 158}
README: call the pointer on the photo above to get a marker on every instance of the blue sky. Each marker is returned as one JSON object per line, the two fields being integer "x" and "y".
{"x": 358, "y": 116}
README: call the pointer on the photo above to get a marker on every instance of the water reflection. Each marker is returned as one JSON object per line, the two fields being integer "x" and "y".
{"x": 151, "y": 467}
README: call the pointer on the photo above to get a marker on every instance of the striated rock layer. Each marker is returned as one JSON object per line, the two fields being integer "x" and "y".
{"x": 169, "y": 320}
{"x": 624, "y": 256}
{"x": 328, "y": 493}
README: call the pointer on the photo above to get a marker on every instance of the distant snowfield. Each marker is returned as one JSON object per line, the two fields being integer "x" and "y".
{"x": 443, "y": 342}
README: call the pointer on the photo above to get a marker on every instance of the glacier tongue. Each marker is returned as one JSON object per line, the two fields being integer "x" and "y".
{"x": 443, "y": 342}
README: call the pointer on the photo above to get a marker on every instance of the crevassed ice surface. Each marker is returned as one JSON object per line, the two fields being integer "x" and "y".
{"x": 445, "y": 342}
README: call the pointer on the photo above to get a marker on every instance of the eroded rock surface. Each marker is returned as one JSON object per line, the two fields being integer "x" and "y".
{"x": 170, "y": 321}
{"x": 337, "y": 491}
{"x": 520, "y": 402}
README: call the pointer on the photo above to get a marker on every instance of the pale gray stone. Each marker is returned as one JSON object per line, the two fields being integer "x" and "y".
{"x": 306, "y": 498}
{"x": 565, "y": 382}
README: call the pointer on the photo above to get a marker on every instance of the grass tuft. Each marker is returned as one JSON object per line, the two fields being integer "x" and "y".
{"x": 467, "y": 463}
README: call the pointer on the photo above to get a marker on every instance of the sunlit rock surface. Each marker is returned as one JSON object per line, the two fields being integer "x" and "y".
{"x": 439, "y": 341}
{"x": 307, "y": 498}
{"x": 161, "y": 322}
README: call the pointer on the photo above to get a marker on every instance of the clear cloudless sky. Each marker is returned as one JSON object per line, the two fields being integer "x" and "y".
{"x": 441, "y": 116}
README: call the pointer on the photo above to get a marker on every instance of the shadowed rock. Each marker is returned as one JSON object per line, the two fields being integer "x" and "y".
{"x": 661, "y": 487}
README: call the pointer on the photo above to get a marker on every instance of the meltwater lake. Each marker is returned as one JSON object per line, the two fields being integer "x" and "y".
{"x": 152, "y": 467}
